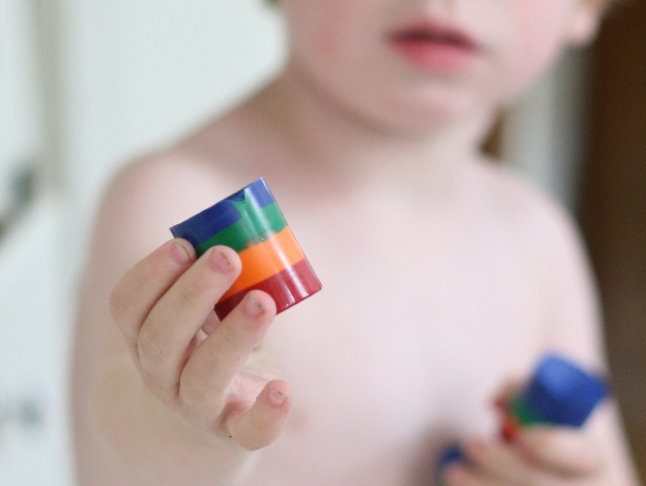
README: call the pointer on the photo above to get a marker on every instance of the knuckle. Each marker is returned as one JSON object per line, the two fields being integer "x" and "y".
{"x": 189, "y": 293}
{"x": 194, "y": 392}
{"x": 153, "y": 383}
{"x": 203, "y": 396}
{"x": 149, "y": 380}
{"x": 228, "y": 342}
{"x": 151, "y": 346}
{"x": 236, "y": 343}
{"x": 203, "y": 284}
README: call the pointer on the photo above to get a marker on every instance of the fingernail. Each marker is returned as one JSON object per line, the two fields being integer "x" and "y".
{"x": 220, "y": 262}
{"x": 276, "y": 398}
{"x": 180, "y": 254}
{"x": 253, "y": 307}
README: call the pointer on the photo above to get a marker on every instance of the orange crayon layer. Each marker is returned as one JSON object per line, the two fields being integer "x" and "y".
{"x": 287, "y": 288}
{"x": 261, "y": 261}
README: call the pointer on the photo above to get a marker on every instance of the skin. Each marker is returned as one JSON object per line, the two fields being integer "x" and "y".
{"x": 444, "y": 276}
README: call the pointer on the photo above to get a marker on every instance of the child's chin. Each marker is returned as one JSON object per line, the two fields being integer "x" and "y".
{"x": 428, "y": 114}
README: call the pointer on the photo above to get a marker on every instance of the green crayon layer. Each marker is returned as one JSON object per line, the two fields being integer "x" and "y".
{"x": 256, "y": 225}
{"x": 524, "y": 414}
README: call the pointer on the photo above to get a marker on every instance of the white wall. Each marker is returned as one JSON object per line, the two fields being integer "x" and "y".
{"x": 20, "y": 128}
{"x": 33, "y": 428}
{"x": 118, "y": 77}
{"x": 33, "y": 352}
{"x": 137, "y": 73}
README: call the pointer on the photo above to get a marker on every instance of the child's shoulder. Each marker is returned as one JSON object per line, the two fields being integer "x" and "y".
{"x": 156, "y": 191}
{"x": 189, "y": 175}
{"x": 518, "y": 204}
{"x": 549, "y": 240}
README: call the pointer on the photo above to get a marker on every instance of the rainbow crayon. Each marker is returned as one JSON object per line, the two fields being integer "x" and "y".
{"x": 559, "y": 393}
{"x": 251, "y": 223}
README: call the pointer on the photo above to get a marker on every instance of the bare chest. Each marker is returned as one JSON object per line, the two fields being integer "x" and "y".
{"x": 420, "y": 321}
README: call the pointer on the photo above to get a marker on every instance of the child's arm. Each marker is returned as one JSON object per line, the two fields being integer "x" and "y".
{"x": 595, "y": 455}
{"x": 186, "y": 424}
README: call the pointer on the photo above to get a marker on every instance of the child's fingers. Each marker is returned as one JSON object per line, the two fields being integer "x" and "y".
{"x": 459, "y": 475}
{"x": 174, "y": 321}
{"x": 503, "y": 464}
{"x": 211, "y": 323}
{"x": 161, "y": 304}
{"x": 504, "y": 395}
{"x": 562, "y": 450}
{"x": 141, "y": 287}
{"x": 206, "y": 377}
{"x": 263, "y": 423}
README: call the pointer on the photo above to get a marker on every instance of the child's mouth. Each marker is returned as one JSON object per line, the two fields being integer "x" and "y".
{"x": 433, "y": 48}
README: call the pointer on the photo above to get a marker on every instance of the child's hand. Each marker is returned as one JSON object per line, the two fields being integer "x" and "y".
{"x": 198, "y": 367}
{"x": 539, "y": 456}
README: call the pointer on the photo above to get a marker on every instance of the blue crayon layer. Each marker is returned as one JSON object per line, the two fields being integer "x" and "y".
{"x": 220, "y": 216}
{"x": 560, "y": 393}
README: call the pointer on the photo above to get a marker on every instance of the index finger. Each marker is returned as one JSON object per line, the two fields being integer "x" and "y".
{"x": 144, "y": 284}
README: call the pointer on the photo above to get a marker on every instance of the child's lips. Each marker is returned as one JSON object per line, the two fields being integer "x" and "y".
{"x": 430, "y": 47}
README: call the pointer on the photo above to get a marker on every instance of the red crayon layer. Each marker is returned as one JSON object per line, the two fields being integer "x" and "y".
{"x": 288, "y": 288}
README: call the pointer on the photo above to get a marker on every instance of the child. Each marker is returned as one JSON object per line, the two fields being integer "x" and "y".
{"x": 444, "y": 275}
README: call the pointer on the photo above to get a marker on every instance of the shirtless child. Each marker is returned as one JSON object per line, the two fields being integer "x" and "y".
{"x": 444, "y": 275}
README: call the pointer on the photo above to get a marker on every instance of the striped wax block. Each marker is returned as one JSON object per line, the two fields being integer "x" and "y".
{"x": 251, "y": 223}
{"x": 559, "y": 393}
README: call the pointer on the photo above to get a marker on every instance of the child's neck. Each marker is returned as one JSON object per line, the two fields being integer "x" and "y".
{"x": 330, "y": 139}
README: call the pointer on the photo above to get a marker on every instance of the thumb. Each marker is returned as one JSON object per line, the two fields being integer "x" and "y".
{"x": 568, "y": 451}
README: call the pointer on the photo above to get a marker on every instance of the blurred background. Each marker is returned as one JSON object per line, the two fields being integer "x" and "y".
{"x": 86, "y": 85}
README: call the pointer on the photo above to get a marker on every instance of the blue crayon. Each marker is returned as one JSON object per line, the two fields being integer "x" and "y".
{"x": 559, "y": 393}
